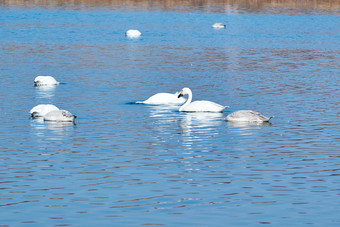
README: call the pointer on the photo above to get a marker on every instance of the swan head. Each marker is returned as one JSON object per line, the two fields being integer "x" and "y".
{"x": 185, "y": 91}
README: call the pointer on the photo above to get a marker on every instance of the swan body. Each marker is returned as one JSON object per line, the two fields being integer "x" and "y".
{"x": 218, "y": 26}
{"x": 45, "y": 80}
{"x": 42, "y": 109}
{"x": 133, "y": 33}
{"x": 198, "y": 106}
{"x": 164, "y": 98}
{"x": 60, "y": 116}
{"x": 247, "y": 116}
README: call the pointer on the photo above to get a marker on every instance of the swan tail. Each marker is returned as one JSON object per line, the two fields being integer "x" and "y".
{"x": 268, "y": 118}
{"x": 225, "y": 107}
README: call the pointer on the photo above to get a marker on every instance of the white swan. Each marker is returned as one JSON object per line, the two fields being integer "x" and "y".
{"x": 133, "y": 33}
{"x": 42, "y": 109}
{"x": 247, "y": 116}
{"x": 60, "y": 116}
{"x": 218, "y": 26}
{"x": 198, "y": 106}
{"x": 164, "y": 98}
{"x": 45, "y": 80}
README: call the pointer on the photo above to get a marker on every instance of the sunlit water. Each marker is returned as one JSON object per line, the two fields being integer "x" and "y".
{"x": 125, "y": 164}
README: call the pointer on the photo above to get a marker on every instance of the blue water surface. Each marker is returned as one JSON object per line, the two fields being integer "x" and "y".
{"x": 125, "y": 164}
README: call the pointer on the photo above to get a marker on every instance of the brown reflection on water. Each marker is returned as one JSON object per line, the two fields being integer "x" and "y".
{"x": 183, "y": 5}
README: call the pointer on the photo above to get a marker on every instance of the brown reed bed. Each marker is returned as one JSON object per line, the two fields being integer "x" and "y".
{"x": 209, "y": 5}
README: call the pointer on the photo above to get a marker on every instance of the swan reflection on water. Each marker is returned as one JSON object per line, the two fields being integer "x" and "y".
{"x": 248, "y": 124}
{"x": 45, "y": 92}
{"x": 201, "y": 120}
{"x": 195, "y": 124}
{"x": 187, "y": 120}
{"x": 44, "y": 128}
{"x": 247, "y": 128}
{"x": 199, "y": 127}
{"x": 163, "y": 111}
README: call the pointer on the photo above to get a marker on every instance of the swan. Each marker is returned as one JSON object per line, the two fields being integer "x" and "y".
{"x": 198, "y": 106}
{"x": 218, "y": 26}
{"x": 164, "y": 98}
{"x": 247, "y": 116}
{"x": 60, "y": 116}
{"x": 133, "y": 33}
{"x": 42, "y": 109}
{"x": 45, "y": 80}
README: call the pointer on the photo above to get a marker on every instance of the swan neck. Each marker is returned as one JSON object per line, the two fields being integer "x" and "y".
{"x": 189, "y": 99}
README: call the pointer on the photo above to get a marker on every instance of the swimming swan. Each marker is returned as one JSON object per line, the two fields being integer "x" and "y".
{"x": 164, "y": 98}
{"x": 133, "y": 33}
{"x": 247, "y": 116}
{"x": 60, "y": 116}
{"x": 198, "y": 106}
{"x": 218, "y": 26}
{"x": 42, "y": 109}
{"x": 45, "y": 80}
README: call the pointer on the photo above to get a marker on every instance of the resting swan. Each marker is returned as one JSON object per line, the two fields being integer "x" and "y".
{"x": 164, "y": 98}
{"x": 60, "y": 116}
{"x": 133, "y": 33}
{"x": 42, "y": 109}
{"x": 198, "y": 106}
{"x": 218, "y": 26}
{"x": 45, "y": 80}
{"x": 247, "y": 116}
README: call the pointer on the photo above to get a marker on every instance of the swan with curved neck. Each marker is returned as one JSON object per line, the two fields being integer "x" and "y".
{"x": 198, "y": 106}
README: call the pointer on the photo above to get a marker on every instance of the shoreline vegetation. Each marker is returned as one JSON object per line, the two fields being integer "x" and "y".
{"x": 232, "y": 6}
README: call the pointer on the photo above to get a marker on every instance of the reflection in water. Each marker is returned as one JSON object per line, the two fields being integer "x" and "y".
{"x": 200, "y": 120}
{"x": 247, "y": 128}
{"x": 246, "y": 124}
{"x": 198, "y": 126}
{"x": 163, "y": 111}
{"x": 45, "y": 92}
{"x": 44, "y": 128}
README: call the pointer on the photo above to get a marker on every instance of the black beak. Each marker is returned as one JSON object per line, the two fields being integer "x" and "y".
{"x": 35, "y": 115}
{"x": 180, "y": 94}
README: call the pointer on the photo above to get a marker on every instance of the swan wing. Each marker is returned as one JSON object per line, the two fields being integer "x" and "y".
{"x": 42, "y": 109}
{"x": 204, "y": 106}
{"x": 59, "y": 115}
{"x": 247, "y": 115}
{"x": 164, "y": 98}
{"x": 45, "y": 80}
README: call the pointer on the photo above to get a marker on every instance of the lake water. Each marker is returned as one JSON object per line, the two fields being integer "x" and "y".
{"x": 125, "y": 164}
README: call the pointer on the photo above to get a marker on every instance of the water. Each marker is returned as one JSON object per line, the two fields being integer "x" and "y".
{"x": 125, "y": 164}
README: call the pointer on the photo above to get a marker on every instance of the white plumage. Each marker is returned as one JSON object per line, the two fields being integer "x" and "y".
{"x": 247, "y": 116}
{"x": 45, "y": 80}
{"x": 60, "y": 116}
{"x": 164, "y": 99}
{"x": 218, "y": 26}
{"x": 198, "y": 106}
{"x": 132, "y": 33}
{"x": 42, "y": 109}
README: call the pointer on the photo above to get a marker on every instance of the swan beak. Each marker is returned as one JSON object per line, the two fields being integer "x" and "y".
{"x": 180, "y": 94}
